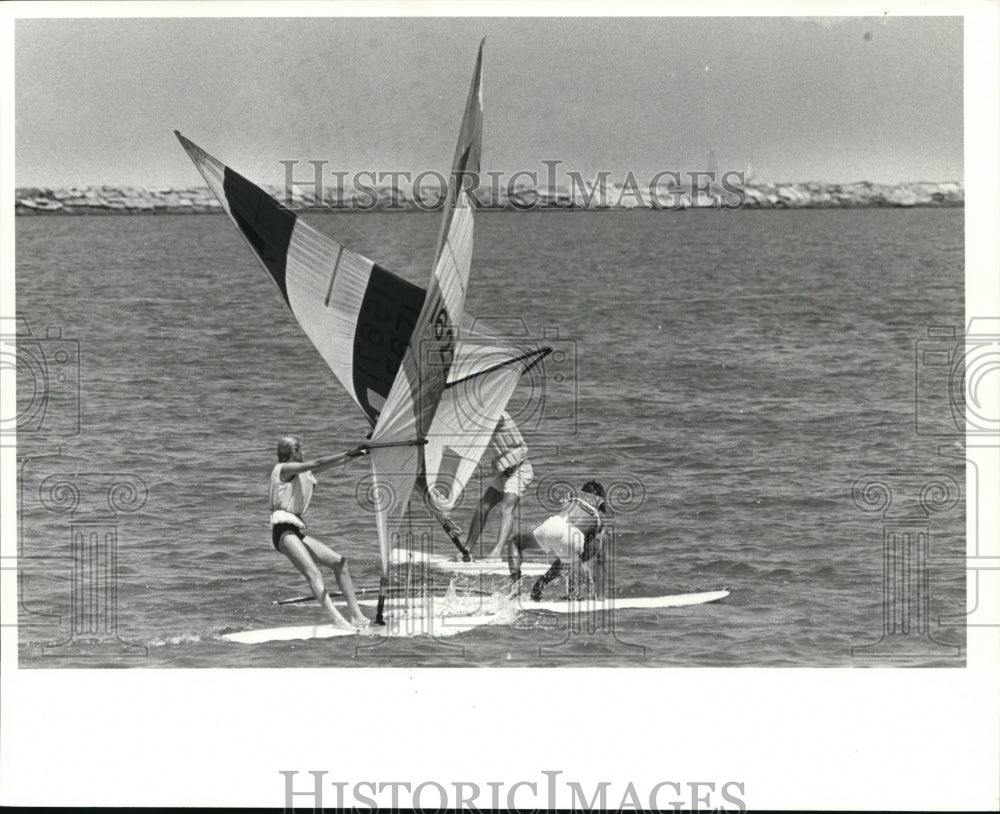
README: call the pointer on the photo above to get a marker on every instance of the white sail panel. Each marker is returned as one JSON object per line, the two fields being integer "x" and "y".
{"x": 465, "y": 421}
{"x": 394, "y": 472}
{"x": 455, "y": 261}
{"x": 326, "y": 287}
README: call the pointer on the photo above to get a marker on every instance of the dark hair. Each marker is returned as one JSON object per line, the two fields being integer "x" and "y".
{"x": 594, "y": 487}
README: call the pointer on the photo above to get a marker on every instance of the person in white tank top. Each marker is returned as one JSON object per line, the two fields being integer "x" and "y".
{"x": 291, "y": 488}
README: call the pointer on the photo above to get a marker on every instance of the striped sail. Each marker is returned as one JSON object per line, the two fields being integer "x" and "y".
{"x": 359, "y": 315}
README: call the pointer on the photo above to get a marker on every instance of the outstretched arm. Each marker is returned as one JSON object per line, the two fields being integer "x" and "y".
{"x": 292, "y": 468}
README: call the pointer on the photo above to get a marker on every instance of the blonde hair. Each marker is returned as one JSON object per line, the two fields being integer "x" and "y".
{"x": 287, "y": 447}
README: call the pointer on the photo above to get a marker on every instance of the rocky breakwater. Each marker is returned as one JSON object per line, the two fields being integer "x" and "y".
{"x": 106, "y": 200}
{"x": 860, "y": 194}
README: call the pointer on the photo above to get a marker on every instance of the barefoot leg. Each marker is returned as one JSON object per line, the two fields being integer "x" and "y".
{"x": 293, "y": 548}
{"x": 330, "y": 558}
{"x": 489, "y": 500}
{"x": 507, "y": 506}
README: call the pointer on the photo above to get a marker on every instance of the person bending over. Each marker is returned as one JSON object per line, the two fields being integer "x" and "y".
{"x": 575, "y": 537}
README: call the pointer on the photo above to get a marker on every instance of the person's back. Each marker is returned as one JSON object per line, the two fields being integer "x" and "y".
{"x": 575, "y": 537}
{"x": 507, "y": 446}
{"x": 583, "y": 511}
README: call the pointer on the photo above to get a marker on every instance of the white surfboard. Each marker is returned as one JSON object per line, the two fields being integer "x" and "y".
{"x": 620, "y": 603}
{"x": 432, "y": 626}
{"x": 493, "y": 567}
{"x": 440, "y": 625}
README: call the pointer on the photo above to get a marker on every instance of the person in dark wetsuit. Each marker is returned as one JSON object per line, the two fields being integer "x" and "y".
{"x": 575, "y": 537}
{"x": 291, "y": 488}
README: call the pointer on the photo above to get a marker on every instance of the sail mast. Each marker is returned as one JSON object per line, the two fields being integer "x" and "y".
{"x": 423, "y": 374}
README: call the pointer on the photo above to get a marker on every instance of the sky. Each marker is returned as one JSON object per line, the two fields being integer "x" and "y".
{"x": 797, "y": 98}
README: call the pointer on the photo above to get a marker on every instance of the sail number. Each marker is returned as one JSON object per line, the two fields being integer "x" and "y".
{"x": 444, "y": 333}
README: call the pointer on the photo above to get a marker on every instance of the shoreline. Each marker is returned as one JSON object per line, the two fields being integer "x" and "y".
{"x": 108, "y": 200}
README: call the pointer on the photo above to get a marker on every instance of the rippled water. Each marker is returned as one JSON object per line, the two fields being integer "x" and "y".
{"x": 731, "y": 375}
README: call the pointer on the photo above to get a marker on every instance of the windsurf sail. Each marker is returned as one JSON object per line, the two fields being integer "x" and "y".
{"x": 428, "y": 401}
{"x": 398, "y": 350}
{"x": 468, "y": 415}
{"x": 448, "y": 392}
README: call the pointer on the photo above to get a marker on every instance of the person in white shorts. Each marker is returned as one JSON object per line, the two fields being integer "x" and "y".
{"x": 508, "y": 455}
{"x": 575, "y": 537}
